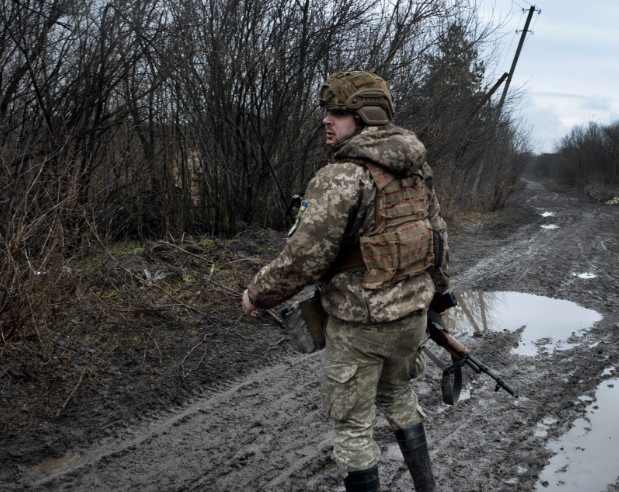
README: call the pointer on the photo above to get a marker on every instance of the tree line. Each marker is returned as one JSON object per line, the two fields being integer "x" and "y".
{"x": 585, "y": 159}
{"x": 135, "y": 118}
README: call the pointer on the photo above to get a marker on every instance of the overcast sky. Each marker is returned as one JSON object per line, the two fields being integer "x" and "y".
{"x": 569, "y": 68}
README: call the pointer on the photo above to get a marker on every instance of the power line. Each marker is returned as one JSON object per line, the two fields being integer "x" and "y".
{"x": 516, "y": 3}
{"x": 509, "y": 47}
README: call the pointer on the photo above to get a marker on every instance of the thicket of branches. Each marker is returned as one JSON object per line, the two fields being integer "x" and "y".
{"x": 131, "y": 118}
{"x": 588, "y": 158}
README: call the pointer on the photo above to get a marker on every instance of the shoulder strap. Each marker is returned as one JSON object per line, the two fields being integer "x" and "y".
{"x": 381, "y": 176}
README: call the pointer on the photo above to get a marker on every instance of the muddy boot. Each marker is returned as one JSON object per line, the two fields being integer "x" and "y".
{"x": 363, "y": 481}
{"x": 412, "y": 442}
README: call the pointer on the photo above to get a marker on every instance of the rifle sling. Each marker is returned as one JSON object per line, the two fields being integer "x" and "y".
{"x": 451, "y": 392}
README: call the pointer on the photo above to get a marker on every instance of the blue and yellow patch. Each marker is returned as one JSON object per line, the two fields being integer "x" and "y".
{"x": 304, "y": 205}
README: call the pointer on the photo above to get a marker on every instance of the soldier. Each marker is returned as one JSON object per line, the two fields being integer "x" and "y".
{"x": 366, "y": 230}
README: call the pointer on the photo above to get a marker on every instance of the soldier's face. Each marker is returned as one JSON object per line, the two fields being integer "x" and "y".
{"x": 338, "y": 125}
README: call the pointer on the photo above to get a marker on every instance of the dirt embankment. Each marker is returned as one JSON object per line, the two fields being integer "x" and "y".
{"x": 260, "y": 427}
{"x": 125, "y": 348}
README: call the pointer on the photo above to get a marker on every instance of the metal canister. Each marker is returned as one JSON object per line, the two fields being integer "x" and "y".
{"x": 306, "y": 323}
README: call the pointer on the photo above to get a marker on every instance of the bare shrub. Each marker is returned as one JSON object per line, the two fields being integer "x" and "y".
{"x": 134, "y": 119}
{"x": 589, "y": 159}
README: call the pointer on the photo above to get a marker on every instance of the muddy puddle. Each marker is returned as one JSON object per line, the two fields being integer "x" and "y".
{"x": 585, "y": 275}
{"x": 586, "y": 456}
{"x": 549, "y": 324}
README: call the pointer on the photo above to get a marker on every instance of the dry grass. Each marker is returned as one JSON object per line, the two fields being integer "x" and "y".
{"x": 104, "y": 320}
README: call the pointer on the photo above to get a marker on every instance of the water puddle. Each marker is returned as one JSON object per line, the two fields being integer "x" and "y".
{"x": 584, "y": 275}
{"x": 548, "y": 214}
{"x": 550, "y": 226}
{"x": 543, "y": 426}
{"x": 57, "y": 463}
{"x": 548, "y": 323}
{"x": 586, "y": 456}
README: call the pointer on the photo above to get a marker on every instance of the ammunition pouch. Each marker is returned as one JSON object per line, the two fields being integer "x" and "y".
{"x": 306, "y": 323}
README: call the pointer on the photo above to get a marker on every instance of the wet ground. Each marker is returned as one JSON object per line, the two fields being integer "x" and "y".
{"x": 542, "y": 312}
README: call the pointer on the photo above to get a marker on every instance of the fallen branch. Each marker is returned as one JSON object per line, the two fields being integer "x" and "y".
{"x": 79, "y": 381}
{"x": 270, "y": 312}
{"x": 203, "y": 355}
{"x": 146, "y": 344}
{"x": 188, "y": 354}
{"x": 186, "y": 252}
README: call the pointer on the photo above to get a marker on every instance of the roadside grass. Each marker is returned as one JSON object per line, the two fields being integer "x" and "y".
{"x": 123, "y": 334}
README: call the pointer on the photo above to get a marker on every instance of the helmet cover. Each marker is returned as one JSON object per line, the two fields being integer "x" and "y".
{"x": 361, "y": 92}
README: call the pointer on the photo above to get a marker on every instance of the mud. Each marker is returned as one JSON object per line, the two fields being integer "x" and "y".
{"x": 262, "y": 429}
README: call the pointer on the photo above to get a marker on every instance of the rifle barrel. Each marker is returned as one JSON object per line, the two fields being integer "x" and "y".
{"x": 472, "y": 365}
{"x": 499, "y": 382}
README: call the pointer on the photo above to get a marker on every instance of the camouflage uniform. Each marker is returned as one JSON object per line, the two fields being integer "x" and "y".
{"x": 373, "y": 336}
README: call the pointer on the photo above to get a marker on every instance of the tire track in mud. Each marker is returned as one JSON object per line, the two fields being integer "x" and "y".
{"x": 267, "y": 432}
{"x": 211, "y": 443}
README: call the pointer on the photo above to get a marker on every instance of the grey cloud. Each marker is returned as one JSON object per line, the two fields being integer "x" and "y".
{"x": 559, "y": 94}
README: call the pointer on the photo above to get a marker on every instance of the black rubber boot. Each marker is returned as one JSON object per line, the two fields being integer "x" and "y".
{"x": 412, "y": 442}
{"x": 363, "y": 481}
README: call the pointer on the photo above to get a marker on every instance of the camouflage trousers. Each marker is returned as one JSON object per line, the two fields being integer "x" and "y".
{"x": 366, "y": 365}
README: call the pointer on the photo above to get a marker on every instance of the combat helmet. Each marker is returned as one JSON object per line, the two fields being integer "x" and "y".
{"x": 361, "y": 92}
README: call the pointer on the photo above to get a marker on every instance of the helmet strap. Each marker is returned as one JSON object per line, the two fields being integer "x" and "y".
{"x": 359, "y": 124}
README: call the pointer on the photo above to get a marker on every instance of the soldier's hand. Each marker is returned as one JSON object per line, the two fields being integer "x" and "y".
{"x": 248, "y": 308}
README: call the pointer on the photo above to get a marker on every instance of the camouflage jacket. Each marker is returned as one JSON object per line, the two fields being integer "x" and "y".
{"x": 340, "y": 209}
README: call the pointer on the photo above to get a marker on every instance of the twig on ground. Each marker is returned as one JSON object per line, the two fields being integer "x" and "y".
{"x": 146, "y": 345}
{"x": 277, "y": 319}
{"x": 188, "y": 354}
{"x": 203, "y": 355}
{"x": 157, "y": 346}
{"x": 79, "y": 381}
{"x": 187, "y": 252}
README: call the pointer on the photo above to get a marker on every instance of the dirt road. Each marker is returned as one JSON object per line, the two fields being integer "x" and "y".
{"x": 266, "y": 431}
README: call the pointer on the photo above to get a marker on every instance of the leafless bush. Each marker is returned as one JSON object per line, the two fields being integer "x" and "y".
{"x": 133, "y": 118}
{"x": 589, "y": 158}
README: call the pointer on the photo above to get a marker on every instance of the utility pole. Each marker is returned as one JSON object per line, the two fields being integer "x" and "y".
{"x": 511, "y": 71}
{"x": 497, "y": 117}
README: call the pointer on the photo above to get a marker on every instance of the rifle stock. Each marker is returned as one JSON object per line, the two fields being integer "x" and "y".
{"x": 442, "y": 338}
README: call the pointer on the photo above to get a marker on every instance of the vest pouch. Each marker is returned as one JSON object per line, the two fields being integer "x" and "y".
{"x": 381, "y": 256}
{"x": 316, "y": 318}
{"x": 305, "y": 322}
{"x": 416, "y": 248}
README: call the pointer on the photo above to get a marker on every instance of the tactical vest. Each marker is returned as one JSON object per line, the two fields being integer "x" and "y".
{"x": 400, "y": 246}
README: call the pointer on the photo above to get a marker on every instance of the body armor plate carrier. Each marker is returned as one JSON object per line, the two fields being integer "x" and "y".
{"x": 400, "y": 246}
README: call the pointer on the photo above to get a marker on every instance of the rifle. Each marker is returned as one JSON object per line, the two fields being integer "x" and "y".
{"x": 459, "y": 353}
